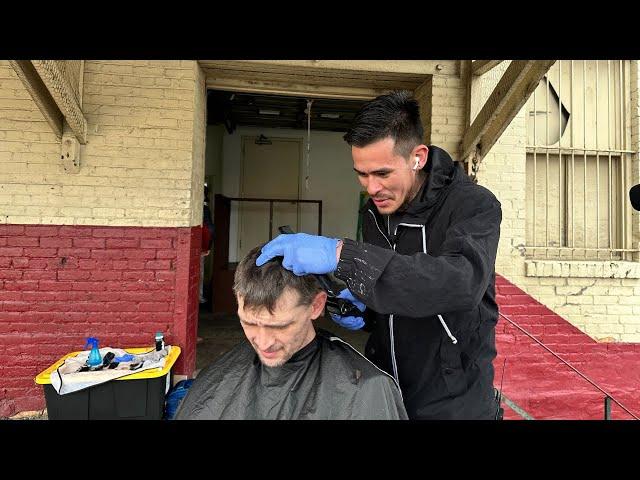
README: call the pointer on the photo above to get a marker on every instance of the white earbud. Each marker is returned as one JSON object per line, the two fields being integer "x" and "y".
{"x": 415, "y": 167}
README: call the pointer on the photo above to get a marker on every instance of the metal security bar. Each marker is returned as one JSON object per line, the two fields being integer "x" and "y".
{"x": 578, "y": 162}
{"x": 271, "y": 201}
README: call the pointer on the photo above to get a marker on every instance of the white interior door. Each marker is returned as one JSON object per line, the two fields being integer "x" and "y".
{"x": 268, "y": 171}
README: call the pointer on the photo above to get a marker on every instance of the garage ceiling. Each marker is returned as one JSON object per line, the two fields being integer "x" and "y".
{"x": 278, "y": 111}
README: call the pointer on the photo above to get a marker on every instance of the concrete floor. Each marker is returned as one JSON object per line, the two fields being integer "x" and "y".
{"x": 221, "y": 332}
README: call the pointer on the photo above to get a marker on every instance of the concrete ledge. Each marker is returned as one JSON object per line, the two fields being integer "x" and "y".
{"x": 582, "y": 269}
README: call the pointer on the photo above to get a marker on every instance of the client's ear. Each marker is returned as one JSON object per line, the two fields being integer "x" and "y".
{"x": 317, "y": 306}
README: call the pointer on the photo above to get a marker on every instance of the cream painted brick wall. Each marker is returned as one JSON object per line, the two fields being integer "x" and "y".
{"x": 142, "y": 161}
{"x": 601, "y": 307}
{"x": 198, "y": 148}
{"x": 635, "y": 141}
{"x": 25, "y": 137}
{"x": 448, "y": 110}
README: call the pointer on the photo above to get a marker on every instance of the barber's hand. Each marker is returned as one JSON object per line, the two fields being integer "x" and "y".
{"x": 303, "y": 254}
{"x": 352, "y": 323}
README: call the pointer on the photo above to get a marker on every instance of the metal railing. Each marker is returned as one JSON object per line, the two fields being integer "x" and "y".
{"x": 271, "y": 201}
{"x": 608, "y": 398}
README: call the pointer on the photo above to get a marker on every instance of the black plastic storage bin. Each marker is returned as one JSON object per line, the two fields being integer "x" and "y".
{"x": 139, "y": 396}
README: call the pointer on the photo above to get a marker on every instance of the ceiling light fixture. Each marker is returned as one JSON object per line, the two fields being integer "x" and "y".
{"x": 263, "y": 111}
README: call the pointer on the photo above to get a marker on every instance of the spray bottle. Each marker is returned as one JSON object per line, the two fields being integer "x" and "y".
{"x": 159, "y": 341}
{"x": 94, "y": 356}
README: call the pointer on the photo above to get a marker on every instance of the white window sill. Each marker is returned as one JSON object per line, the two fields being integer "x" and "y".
{"x": 582, "y": 268}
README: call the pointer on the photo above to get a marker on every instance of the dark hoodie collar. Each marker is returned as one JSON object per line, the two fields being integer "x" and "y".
{"x": 441, "y": 171}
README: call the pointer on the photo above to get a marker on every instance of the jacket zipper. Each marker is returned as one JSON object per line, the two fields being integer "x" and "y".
{"x": 453, "y": 339}
{"x": 391, "y": 339}
{"x": 379, "y": 229}
{"x": 391, "y": 333}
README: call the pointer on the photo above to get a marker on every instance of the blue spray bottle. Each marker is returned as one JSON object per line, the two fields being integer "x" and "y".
{"x": 94, "y": 356}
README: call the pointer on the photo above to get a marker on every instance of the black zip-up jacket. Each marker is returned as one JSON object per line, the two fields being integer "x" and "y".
{"x": 429, "y": 288}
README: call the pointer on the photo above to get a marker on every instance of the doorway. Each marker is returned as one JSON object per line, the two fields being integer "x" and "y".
{"x": 270, "y": 169}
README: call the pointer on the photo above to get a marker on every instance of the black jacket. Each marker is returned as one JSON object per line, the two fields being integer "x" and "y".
{"x": 327, "y": 379}
{"x": 414, "y": 297}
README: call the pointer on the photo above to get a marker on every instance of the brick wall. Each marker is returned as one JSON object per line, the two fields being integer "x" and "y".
{"x": 143, "y": 157}
{"x": 75, "y": 257}
{"x": 606, "y": 307}
{"x": 541, "y": 384}
{"x": 61, "y": 284}
{"x": 447, "y": 113}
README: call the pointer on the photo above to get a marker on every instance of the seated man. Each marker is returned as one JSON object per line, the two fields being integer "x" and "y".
{"x": 284, "y": 369}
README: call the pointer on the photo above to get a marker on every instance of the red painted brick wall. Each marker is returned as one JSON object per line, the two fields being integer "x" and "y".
{"x": 540, "y": 383}
{"x": 61, "y": 284}
{"x": 187, "y": 295}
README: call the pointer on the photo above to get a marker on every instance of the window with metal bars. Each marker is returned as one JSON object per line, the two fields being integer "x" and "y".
{"x": 578, "y": 162}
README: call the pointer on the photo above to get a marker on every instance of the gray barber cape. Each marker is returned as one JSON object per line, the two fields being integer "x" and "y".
{"x": 326, "y": 380}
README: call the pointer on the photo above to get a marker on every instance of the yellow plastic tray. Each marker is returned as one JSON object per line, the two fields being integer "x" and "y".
{"x": 43, "y": 378}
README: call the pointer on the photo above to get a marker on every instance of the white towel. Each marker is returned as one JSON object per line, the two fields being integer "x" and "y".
{"x": 67, "y": 378}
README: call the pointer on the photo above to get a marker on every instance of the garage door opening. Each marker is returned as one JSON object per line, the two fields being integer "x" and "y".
{"x": 262, "y": 146}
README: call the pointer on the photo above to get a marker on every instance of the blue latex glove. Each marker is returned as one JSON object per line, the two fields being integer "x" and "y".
{"x": 125, "y": 358}
{"x": 352, "y": 323}
{"x": 303, "y": 254}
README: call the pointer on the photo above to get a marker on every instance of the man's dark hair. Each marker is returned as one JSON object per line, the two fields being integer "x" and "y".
{"x": 260, "y": 287}
{"x": 395, "y": 115}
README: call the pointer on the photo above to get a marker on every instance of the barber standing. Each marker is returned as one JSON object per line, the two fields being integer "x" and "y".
{"x": 424, "y": 277}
